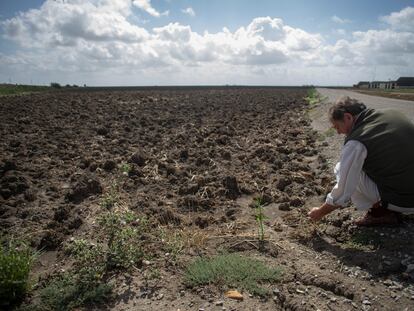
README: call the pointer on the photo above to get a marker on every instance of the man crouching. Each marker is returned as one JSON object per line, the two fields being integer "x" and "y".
{"x": 376, "y": 167}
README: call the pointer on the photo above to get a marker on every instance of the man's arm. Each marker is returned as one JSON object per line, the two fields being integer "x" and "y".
{"x": 353, "y": 155}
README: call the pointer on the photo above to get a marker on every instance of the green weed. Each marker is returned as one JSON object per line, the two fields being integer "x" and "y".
{"x": 68, "y": 292}
{"x": 260, "y": 218}
{"x": 232, "y": 271}
{"x": 364, "y": 240}
{"x": 16, "y": 259}
{"x": 111, "y": 198}
{"x": 123, "y": 240}
{"x": 84, "y": 253}
{"x": 173, "y": 242}
{"x": 125, "y": 168}
{"x": 312, "y": 97}
{"x": 86, "y": 282}
{"x": 119, "y": 248}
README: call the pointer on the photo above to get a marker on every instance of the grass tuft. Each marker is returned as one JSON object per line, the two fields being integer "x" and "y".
{"x": 363, "y": 240}
{"x": 313, "y": 97}
{"x": 233, "y": 271}
{"x": 16, "y": 259}
{"x": 66, "y": 293}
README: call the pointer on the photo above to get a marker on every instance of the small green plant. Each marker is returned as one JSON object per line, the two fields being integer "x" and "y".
{"x": 16, "y": 259}
{"x": 232, "y": 271}
{"x": 119, "y": 247}
{"x": 124, "y": 248}
{"x": 364, "y": 240}
{"x": 154, "y": 274}
{"x": 125, "y": 168}
{"x": 111, "y": 198}
{"x": 66, "y": 292}
{"x": 84, "y": 253}
{"x": 312, "y": 97}
{"x": 86, "y": 283}
{"x": 260, "y": 218}
{"x": 173, "y": 241}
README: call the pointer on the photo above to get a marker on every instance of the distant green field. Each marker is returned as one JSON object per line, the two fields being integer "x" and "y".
{"x": 11, "y": 89}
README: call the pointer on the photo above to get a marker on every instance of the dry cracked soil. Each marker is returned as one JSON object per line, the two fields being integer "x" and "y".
{"x": 196, "y": 157}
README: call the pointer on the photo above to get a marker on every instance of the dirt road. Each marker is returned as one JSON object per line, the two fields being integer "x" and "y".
{"x": 376, "y": 102}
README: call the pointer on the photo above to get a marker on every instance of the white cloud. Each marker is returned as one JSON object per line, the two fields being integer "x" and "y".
{"x": 65, "y": 23}
{"x": 270, "y": 29}
{"x": 147, "y": 7}
{"x": 189, "y": 11}
{"x": 339, "y": 20}
{"x": 96, "y": 39}
{"x": 173, "y": 32}
{"x": 402, "y": 20}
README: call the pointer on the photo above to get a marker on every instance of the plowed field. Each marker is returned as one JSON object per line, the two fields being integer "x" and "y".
{"x": 190, "y": 161}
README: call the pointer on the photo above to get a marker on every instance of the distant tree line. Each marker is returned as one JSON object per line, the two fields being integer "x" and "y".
{"x": 56, "y": 85}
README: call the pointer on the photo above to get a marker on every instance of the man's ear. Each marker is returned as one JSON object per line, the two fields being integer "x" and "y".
{"x": 348, "y": 116}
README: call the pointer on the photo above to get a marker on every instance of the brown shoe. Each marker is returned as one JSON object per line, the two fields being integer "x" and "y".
{"x": 369, "y": 221}
{"x": 377, "y": 216}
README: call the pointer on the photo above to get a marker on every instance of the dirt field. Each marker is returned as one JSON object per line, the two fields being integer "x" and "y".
{"x": 196, "y": 160}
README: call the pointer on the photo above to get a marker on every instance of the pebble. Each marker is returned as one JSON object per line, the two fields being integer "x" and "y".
{"x": 276, "y": 291}
{"x": 146, "y": 262}
{"x": 366, "y": 302}
{"x": 219, "y": 303}
{"x": 396, "y": 286}
{"x": 387, "y": 282}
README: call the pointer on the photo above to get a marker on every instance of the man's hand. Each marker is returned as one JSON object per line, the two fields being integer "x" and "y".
{"x": 317, "y": 213}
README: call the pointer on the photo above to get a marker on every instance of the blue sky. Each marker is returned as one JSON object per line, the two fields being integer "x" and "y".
{"x": 213, "y": 15}
{"x": 125, "y": 42}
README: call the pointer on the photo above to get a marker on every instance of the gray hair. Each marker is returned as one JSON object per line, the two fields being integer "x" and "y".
{"x": 345, "y": 105}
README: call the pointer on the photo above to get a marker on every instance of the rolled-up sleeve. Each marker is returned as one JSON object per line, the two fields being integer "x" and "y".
{"x": 348, "y": 172}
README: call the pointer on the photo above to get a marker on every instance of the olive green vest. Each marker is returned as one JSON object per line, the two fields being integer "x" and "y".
{"x": 389, "y": 139}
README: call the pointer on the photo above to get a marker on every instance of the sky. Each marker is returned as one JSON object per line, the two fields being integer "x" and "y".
{"x": 183, "y": 42}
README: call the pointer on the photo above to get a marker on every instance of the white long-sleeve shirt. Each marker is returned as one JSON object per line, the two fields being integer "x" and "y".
{"x": 348, "y": 178}
{"x": 348, "y": 172}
